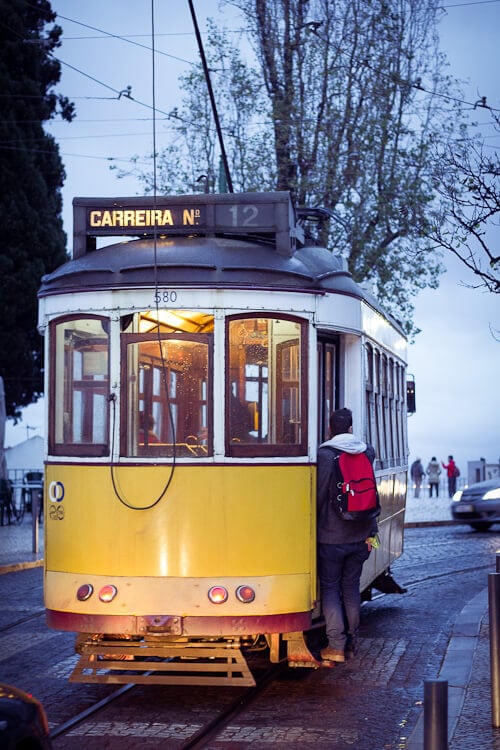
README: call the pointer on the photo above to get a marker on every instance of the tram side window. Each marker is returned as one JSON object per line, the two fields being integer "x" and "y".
{"x": 385, "y": 407}
{"x": 327, "y": 386}
{"x": 167, "y": 382}
{"x": 265, "y": 388}
{"x": 393, "y": 405}
{"x": 400, "y": 381}
{"x": 370, "y": 434}
{"x": 78, "y": 421}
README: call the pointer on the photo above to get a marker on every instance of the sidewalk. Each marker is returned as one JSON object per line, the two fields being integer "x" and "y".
{"x": 427, "y": 510}
{"x": 17, "y": 545}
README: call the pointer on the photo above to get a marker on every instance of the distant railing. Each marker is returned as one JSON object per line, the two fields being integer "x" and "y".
{"x": 19, "y": 475}
{"x": 443, "y": 487}
{"x": 27, "y": 494}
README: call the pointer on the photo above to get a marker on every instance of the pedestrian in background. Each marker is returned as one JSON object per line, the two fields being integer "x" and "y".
{"x": 343, "y": 546}
{"x": 433, "y": 472}
{"x": 452, "y": 473}
{"x": 417, "y": 474}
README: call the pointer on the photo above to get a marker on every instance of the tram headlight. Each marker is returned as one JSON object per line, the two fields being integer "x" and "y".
{"x": 245, "y": 594}
{"x": 84, "y": 592}
{"x": 108, "y": 593}
{"x": 218, "y": 595}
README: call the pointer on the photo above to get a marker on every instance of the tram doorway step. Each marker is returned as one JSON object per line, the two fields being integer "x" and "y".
{"x": 183, "y": 663}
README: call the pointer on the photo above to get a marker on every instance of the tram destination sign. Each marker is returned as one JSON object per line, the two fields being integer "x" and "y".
{"x": 202, "y": 214}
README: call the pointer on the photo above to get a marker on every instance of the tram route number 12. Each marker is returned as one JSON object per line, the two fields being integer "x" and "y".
{"x": 165, "y": 296}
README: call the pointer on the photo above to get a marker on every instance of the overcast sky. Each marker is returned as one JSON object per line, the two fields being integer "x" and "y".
{"x": 455, "y": 359}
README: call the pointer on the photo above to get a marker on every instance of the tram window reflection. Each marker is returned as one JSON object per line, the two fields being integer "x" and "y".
{"x": 168, "y": 392}
{"x": 78, "y": 420}
{"x": 265, "y": 414}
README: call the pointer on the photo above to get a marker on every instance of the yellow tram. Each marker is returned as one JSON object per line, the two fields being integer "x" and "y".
{"x": 195, "y": 348}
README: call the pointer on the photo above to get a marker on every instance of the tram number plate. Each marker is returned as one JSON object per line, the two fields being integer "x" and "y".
{"x": 464, "y": 509}
{"x": 165, "y": 296}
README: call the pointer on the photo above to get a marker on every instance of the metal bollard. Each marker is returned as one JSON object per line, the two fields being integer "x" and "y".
{"x": 436, "y": 715}
{"x": 34, "y": 520}
{"x": 494, "y": 616}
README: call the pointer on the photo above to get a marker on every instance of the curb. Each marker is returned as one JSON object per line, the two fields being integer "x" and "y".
{"x": 418, "y": 524}
{"x": 457, "y": 665}
{"x": 14, "y": 567}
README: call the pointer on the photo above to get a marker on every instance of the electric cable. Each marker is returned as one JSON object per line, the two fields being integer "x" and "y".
{"x": 160, "y": 341}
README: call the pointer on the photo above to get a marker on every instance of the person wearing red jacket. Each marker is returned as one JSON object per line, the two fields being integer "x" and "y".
{"x": 451, "y": 471}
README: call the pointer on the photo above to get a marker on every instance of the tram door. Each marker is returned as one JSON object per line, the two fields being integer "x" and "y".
{"x": 328, "y": 384}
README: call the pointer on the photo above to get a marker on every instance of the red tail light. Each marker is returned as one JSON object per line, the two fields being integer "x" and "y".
{"x": 245, "y": 594}
{"x": 218, "y": 594}
{"x": 108, "y": 593}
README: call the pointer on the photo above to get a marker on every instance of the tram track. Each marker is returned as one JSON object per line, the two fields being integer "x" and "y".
{"x": 22, "y": 621}
{"x": 444, "y": 574}
{"x": 236, "y": 708}
{"x": 202, "y": 735}
{"x": 418, "y": 582}
{"x": 66, "y": 726}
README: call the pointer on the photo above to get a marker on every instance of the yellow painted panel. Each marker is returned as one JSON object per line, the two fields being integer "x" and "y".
{"x": 212, "y": 521}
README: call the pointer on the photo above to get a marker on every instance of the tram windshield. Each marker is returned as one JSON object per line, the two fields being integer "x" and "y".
{"x": 167, "y": 384}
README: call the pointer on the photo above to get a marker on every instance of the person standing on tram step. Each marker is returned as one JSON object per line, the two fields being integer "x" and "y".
{"x": 417, "y": 473}
{"x": 433, "y": 472}
{"x": 451, "y": 472}
{"x": 343, "y": 546}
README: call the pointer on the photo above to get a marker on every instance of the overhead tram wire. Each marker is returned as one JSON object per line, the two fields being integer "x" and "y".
{"x": 117, "y": 36}
{"x": 155, "y": 255}
{"x": 416, "y": 85}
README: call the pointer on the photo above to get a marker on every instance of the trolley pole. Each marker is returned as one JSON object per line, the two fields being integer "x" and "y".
{"x": 436, "y": 715}
{"x": 494, "y": 616}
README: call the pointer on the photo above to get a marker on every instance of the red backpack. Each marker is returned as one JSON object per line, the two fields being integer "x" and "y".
{"x": 353, "y": 487}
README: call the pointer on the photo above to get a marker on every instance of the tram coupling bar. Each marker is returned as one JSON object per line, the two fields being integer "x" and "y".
{"x": 157, "y": 624}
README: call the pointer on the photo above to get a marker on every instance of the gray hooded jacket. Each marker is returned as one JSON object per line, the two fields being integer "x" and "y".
{"x": 332, "y": 529}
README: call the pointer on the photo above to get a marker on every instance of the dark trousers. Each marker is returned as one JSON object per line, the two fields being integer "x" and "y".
{"x": 434, "y": 485}
{"x": 339, "y": 574}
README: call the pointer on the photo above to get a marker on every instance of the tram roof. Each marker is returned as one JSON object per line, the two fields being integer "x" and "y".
{"x": 203, "y": 262}
{"x": 214, "y": 254}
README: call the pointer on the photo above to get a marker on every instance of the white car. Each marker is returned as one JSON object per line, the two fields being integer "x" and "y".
{"x": 478, "y": 505}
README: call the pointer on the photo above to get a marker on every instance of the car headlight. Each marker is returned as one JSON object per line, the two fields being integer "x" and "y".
{"x": 492, "y": 494}
{"x": 457, "y": 496}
